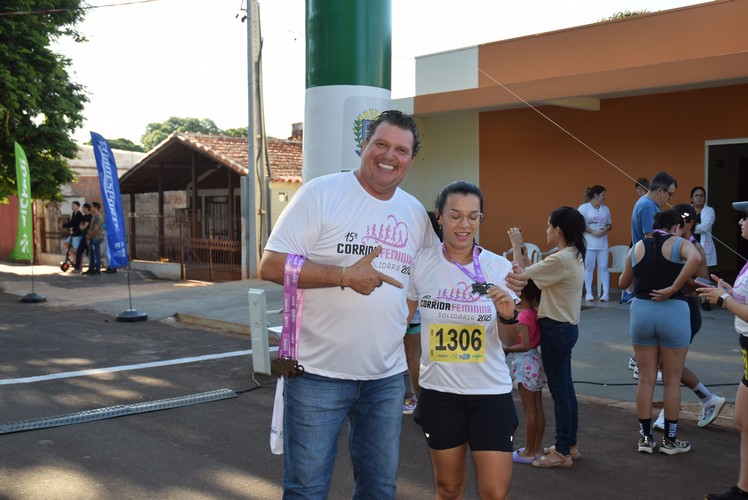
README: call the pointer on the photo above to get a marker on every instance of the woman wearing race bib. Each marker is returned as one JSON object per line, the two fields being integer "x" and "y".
{"x": 467, "y": 311}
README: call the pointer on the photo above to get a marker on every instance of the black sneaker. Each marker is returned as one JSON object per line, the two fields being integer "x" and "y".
{"x": 733, "y": 493}
{"x": 110, "y": 271}
{"x": 673, "y": 447}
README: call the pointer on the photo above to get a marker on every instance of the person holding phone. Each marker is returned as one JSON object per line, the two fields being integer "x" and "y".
{"x": 735, "y": 299}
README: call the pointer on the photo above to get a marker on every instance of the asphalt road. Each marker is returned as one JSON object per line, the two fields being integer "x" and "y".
{"x": 219, "y": 449}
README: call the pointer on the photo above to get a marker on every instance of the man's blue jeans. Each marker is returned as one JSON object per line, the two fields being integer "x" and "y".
{"x": 556, "y": 342}
{"x": 94, "y": 255}
{"x": 315, "y": 409}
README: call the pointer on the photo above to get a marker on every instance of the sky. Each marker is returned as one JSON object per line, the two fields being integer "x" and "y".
{"x": 145, "y": 62}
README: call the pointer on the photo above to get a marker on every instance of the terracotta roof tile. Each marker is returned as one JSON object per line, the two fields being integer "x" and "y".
{"x": 284, "y": 155}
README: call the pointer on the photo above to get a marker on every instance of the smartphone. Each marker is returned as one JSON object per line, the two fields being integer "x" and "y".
{"x": 705, "y": 282}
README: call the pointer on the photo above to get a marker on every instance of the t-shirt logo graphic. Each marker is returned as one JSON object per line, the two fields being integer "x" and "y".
{"x": 391, "y": 233}
{"x": 463, "y": 292}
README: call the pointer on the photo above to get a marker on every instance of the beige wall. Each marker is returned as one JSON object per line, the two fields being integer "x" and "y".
{"x": 280, "y": 194}
{"x": 449, "y": 152}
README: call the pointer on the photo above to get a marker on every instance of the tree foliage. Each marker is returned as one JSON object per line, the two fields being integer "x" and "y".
{"x": 625, "y": 13}
{"x": 124, "y": 145}
{"x": 238, "y": 132}
{"x": 155, "y": 133}
{"x": 40, "y": 107}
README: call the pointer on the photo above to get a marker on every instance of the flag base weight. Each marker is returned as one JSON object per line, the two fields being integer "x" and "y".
{"x": 32, "y": 298}
{"x": 131, "y": 315}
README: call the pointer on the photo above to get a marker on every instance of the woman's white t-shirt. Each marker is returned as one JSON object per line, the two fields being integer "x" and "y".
{"x": 461, "y": 352}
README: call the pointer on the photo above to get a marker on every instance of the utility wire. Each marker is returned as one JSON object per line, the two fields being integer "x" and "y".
{"x": 90, "y": 7}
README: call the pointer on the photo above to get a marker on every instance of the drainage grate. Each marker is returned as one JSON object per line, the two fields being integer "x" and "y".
{"x": 116, "y": 411}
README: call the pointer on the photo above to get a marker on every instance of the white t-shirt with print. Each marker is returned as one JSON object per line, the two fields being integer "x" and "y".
{"x": 333, "y": 220}
{"x": 597, "y": 219}
{"x": 461, "y": 352}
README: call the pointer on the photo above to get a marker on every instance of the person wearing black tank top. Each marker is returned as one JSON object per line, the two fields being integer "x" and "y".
{"x": 659, "y": 267}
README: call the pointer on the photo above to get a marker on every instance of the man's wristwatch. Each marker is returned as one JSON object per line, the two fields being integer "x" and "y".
{"x": 721, "y": 299}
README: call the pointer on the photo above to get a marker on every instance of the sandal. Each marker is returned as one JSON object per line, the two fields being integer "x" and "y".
{"x": 553, "y": 459}
{"x": 573, "y": 451}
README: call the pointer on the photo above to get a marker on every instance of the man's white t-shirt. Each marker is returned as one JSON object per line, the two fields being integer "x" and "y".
{"x": 332, "y": 220}
{"x": 461, "y": 352}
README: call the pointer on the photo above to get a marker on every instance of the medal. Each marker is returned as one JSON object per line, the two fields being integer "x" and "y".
{"x": 286, "y": 367}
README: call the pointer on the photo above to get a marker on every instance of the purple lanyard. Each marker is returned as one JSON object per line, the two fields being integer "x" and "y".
{"x": 293, "y": 303}
{"x": 478, "y": 276}
{"x": 742, "y": 272}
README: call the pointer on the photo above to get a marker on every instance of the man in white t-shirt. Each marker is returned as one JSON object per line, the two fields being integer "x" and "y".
{"x": 359, "y": 233}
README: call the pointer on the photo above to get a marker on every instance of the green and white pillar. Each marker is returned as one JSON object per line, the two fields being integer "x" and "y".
{"x": 348, "y": 80}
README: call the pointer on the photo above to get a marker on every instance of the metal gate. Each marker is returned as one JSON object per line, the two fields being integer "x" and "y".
{"x": 202, "y": 245}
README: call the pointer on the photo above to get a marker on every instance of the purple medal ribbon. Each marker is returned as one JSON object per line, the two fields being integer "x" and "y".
{"x": 742, "y": 272}
{"x": 293, "y": 303}
{"x": 478, "y": 276}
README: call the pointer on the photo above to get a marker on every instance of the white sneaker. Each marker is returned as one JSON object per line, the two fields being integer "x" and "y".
{"x": 659, "y": 424}
{"x": 659, "y": 375}
{"x": 589, "y": 297}
{"x": 710, "y": 410}
{"x": 604, "y": 298}
{"x": 632, "y": 363}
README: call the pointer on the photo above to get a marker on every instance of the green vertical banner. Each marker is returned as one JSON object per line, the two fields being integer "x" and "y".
{"x": 348, "y": 80}
{"x": 24, "y": 248}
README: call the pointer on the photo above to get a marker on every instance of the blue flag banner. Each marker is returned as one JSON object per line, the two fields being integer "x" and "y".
{"x": 23, "y": 250}
{"x": 115, "y": 220}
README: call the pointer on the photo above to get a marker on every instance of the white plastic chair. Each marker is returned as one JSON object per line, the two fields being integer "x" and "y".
{"x": 533, "y": 253}
{"x": 543, "y": 255}
{"x": 617, "y": 261}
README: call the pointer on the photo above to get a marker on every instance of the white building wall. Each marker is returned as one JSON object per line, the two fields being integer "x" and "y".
{"x": 447, "y": 71}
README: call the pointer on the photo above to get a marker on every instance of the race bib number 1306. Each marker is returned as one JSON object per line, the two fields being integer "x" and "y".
{"x": 457, "y": 343}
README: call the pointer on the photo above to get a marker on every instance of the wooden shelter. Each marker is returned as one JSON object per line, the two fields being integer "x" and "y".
{"x": 184, "y": 201}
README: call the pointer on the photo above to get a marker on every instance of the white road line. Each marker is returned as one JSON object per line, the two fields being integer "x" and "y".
{"x": 123, "y": 368}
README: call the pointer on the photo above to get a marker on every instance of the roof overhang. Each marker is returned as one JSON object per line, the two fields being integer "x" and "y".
{"x": 700, "y": 46}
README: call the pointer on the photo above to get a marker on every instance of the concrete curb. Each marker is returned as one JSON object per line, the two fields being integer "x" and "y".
{"x": 688, "y": 411}
{"x": 216, "y": 324}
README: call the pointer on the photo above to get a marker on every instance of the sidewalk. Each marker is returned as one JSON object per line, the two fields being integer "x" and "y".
{"x": 233, "y": 434}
